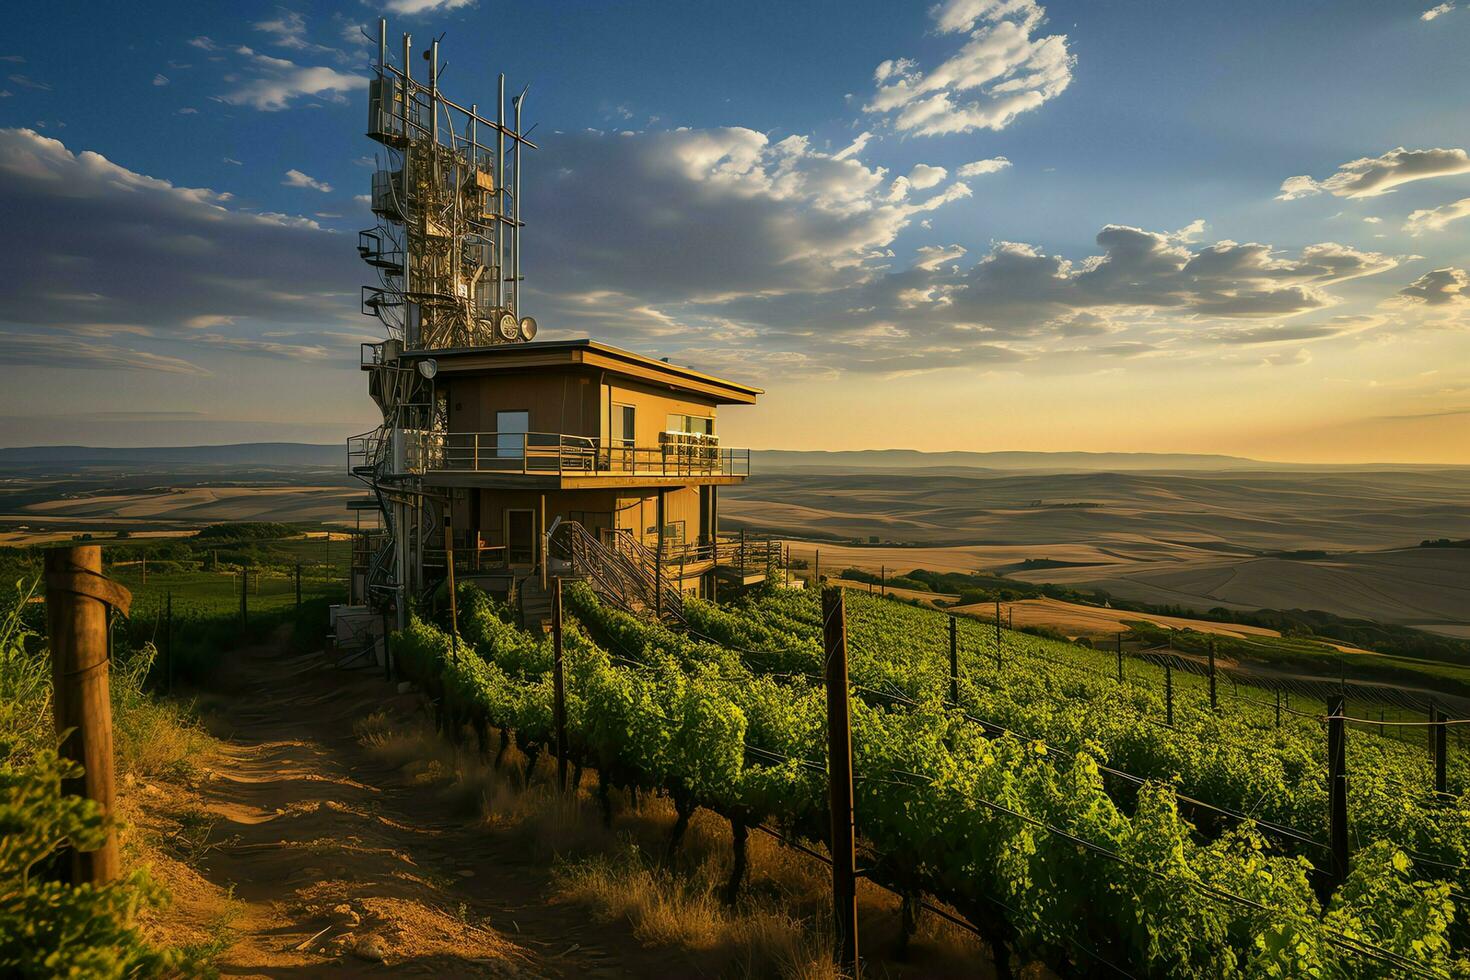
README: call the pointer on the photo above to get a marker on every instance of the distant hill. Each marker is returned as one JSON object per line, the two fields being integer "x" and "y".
{"x": 908, "y": 459}
{"x": 282, "y": 454}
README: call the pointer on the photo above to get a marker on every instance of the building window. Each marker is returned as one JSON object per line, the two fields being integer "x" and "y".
{"x": 693, "y": 424}
{"x": 510, "y": 434}
{"x": 624, "y": 425}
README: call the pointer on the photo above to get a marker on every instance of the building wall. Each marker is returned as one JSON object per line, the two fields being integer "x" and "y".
{"x": 573, "y": 401}
{"x": 652, "y": 407}
{"x": 561, "y": 401}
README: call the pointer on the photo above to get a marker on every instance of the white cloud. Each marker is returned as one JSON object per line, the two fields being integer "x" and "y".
{"x": 277, "y": 82}
{"x": 288, "y": 30}
{"x": 1372, "y": 176}
{"x": 160, "y": 80}
{"x": 1442, "y": 287}
{"x": 113, "y": 254}
{"x": 203, "y": 43}
{"x": 231, "y": 161}
{"x": 295, "y": 178}
{"x": 1437, "y": 11}
{"x": 854, "y": 148}
{"x": 980, "y": 168}
{"x": 931, "y": 257}
{"x": 411, "y": 7}
{"x": 1436, "y": 219}
{"x": 923, "y": 176}
{"x": 187, "y": 110}
{"x": 1000, "y": 72}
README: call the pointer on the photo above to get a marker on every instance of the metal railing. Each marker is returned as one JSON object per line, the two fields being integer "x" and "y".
{"x": 539, "y": 453}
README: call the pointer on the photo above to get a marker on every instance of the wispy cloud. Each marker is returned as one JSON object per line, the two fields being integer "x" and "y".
{"x": 411, "y": 7}
{"x": 1442, "y": 287}
{"x": 1000, "y": 72}
{"x": 1372, "y": 176}
{"x": 160, "y": 80}
{"x": 1436, "y": 11}
{"x": 1436, "y": 219}
{"x": 295, "y": 178}
{"x": 277, "y": 83}
{"x": 980, "y": 168}
{"x": 25, "y": 81}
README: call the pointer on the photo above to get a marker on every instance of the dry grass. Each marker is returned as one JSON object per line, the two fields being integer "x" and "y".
{"x": 781, "y": 925}
{"x": 668, "y": 909}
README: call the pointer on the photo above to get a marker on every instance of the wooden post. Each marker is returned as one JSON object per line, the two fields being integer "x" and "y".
{"x": 839, "y": 770}
{"x": 78, "y": 599}
{"x": 1431, "y": 711}
{"x": 1439, "y": 718}
{"x": 244, "y": 592}
{"x": 742, "y": 555}
{"x": 817, "y": 568}
{"x": 453, "y": 599}
{"x": 1120, "y": 658}
{"x": 658, "y": 578}
{"x": 882, "y": 580}
{"x": 558, "y": 687}
{"x": 144, "y": 560}
{"x": 1278, "y": 707}
{"x": 954, "y": 661}
{"x": 1337, "y": 787}
{"x": 997, "y": 634}
{"x": 1213, "y": 703}
{"x": 1168, "y": 693}
{"x": 168, "y": 640}
{"x": 298, "y": 585}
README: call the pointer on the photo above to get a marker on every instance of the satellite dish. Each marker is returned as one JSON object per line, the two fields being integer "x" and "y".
{"x": 509, "y": 329}
{"x": 528, "y": 327}
{"x": 428, "y": 367}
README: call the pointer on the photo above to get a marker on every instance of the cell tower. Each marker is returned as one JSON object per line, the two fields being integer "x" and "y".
{"x": 446, "y": 248}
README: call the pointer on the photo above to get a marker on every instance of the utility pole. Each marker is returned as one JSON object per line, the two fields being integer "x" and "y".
{"x": 78, "y": 601}
{"x": 1337, "y": 787}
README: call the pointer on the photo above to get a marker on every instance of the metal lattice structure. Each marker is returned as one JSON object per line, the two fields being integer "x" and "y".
{"x": 446, "y": 251}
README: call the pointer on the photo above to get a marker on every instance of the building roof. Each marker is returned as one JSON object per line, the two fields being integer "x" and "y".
{"x": 591, "y": 354}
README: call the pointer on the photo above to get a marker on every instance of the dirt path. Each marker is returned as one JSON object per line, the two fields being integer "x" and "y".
{"x": 315, "y": 832}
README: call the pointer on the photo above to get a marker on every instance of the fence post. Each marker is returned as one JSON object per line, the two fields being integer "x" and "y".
{"x": 298, "y": 585}
{"x": 997, "y": 635}
{"x": 168, "y": 641}
{"x": 558, "y": 687}
{"x": 817, "y": 569}
{"x": 1337, "y": 786}
{"x": 144, "y": 560}
{"x": 1120, "y": 658}
{"x": 78, "y": 600}
{"x": 1214, "y": 705}
{"x": 244, "y": 600}
{"x": 839, "y": 770}
{"x": 1168, "y": 693}
{"x": 1439, "y": 749}
{"x": 1278, "y": 707}
{"x": 453, "y": 599}
{"x": 1432, "y": 709}
{"x": 658, "y": 580}
{"x": 882, "y": 579}
{"x": 954, "y": 661}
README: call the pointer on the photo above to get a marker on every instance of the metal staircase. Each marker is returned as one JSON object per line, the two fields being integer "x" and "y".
{"x": 627, "y": 574}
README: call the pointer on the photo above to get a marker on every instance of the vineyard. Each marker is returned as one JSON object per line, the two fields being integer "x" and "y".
{"x": 1014, "y": 781}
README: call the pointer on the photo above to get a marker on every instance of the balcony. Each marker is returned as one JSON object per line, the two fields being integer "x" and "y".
{"x": 549, "y": 459}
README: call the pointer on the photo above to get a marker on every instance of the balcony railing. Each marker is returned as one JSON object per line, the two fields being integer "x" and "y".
{"x": 548, "y": 453}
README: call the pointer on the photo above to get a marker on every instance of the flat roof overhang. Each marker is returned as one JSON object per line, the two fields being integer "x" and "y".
{"x": 588, "y": 354}
{"x": 571, "y": 481}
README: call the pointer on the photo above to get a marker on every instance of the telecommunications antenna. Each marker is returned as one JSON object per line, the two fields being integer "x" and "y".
{"x": 528, "y": 328}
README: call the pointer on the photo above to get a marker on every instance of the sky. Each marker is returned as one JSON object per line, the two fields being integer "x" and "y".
{"x": 982, "y": 224}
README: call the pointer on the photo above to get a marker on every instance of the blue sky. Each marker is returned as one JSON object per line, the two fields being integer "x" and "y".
{"x": 1062, "y": 216}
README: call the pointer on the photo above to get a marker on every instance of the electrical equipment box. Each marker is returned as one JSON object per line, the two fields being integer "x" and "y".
{"x": 385, "y": 110}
